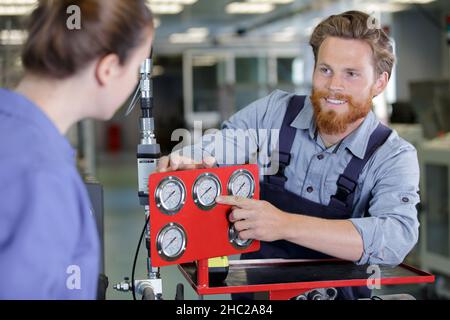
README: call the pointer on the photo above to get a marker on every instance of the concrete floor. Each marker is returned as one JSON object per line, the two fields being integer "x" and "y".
{"x": 124, "y": 220}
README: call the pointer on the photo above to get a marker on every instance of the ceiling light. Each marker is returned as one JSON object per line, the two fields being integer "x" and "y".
{"x": 13, "y": 37}
{"x": 15, "y": 10}
{"x": 198, "y": 31}
{"x": 204, "y": 61}
{"x": 18, "y": 2}
{"x": 192, "y": 35}
{"x": 172, "y": 8}
{"x": 414, "y": 1}
{"x": 186, "y": 38}
{"x": 248, "y": 8}
{"x": 183, "y": 2}
{"x": 272, "y": 1}
{"x": 286, "y": 35}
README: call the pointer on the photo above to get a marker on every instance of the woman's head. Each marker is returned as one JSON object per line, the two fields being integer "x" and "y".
{"x": 113, "y": 40}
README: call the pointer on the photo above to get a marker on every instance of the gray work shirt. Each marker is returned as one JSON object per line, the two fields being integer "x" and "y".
{"x": 385, "y": 200}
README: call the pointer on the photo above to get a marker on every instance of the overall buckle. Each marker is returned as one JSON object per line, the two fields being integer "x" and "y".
{"x": 346, "y": 187}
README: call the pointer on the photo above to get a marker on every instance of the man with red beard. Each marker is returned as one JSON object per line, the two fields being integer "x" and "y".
{"x": 347, "y": 186}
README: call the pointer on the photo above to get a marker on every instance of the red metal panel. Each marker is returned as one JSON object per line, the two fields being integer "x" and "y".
{"x": 207, "y": 231}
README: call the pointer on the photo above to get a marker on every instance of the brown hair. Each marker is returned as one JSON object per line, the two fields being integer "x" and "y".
{"x": 356, "y": 25}
{"x": 107, "y": 26}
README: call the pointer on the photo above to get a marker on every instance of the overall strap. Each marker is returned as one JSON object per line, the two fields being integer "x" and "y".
{"x": 286, "y": 139}
{"x": 348, "y": 181}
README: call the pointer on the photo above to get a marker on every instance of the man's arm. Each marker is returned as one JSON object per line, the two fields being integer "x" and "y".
{"x": 260, "y": 220}
{"x": 392, "y": 228}
{"x": 240, "y": 139}
{"x": 385, "y": 237}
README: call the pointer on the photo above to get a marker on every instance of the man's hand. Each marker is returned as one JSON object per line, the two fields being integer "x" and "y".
{"x": 175, "y": 162}
{"x": 256, "y": 219}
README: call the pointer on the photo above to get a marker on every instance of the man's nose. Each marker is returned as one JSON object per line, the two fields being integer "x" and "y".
{"x": 335, "y": 83}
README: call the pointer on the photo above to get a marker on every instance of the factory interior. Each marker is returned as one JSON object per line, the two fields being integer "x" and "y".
{"x": 211, "y": 59}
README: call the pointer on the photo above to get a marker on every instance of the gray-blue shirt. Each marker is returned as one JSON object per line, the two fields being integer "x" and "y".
{"x": 385, "y": 200}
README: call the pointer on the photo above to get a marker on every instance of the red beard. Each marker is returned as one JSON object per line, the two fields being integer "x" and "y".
{"x": 330, "y": 122}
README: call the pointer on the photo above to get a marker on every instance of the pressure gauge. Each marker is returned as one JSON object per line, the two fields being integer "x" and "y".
{"x": 238, "y": 243}
{"x": 205, "y": 191}
{"x": 171, "y": 242}
{"x": 170, "y": 195}
{"x": 241, "y": 184}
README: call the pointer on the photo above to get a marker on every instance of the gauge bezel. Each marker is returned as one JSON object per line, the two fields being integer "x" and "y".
{"x": 159, "y": 202}
{"x": 160, "y": 237}
{"x": 195, "y": 195}
{"x": 238, "y": 173}
{"x": 233, "y": 237}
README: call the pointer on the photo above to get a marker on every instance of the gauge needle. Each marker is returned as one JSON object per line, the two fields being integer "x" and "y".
{"x": 206, "y": 191}
{"x": 171, "y": 241}
{"x": 169, "y": 196}
{"x": 240, "y": 188}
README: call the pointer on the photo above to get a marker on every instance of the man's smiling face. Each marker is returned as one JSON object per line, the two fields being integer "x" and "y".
{"x": 344, "y": 83}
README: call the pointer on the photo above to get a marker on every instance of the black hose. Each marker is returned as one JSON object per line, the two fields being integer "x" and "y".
{"x": 133, "y": 289}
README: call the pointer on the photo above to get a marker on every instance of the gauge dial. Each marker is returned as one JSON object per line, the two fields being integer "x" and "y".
{"x": 171, "y": 242}
{"x": 205, "y": 191}
{"x": 233, "y": 236}
{"x": 170, "y": 195}
{"x": 241, "y": 184}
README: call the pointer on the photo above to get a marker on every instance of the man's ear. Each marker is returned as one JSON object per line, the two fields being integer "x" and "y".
{"x": 107, "y": 69}
{"x": 380, "y": 83}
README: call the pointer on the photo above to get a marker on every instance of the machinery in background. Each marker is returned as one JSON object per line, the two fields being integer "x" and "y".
{"x": 435, "y": 217}
{"x": 431, "y": 102}
{"x": 148, "y": 153}
{"x": 95, "y": 191}
{"x": 413, "y": 133}
{"x": 82, "y": 136}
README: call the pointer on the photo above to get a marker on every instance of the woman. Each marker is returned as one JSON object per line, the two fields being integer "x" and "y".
{"x": 48, "y": 241}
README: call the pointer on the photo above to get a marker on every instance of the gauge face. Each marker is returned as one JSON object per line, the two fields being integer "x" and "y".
{"x": 233, "y": 236}
{"x": 205, "y": 191}
{"x": 171, "y": 242}
{"x": 241, "y": 184}
{"x": 170, "y": 195}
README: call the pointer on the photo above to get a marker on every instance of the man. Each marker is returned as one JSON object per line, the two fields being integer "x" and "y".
{"x": 347, "y": 186}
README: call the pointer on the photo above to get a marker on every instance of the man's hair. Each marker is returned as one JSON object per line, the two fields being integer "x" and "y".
{"x": 107, "y": 26}
{"x": 356, "y": 25}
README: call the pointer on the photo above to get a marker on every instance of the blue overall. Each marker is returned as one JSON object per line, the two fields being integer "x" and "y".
{"x": 340, "y": 206}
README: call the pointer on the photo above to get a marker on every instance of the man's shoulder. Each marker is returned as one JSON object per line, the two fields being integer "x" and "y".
{"x": 397, "y": 144}
{"x": 395, "y": 156}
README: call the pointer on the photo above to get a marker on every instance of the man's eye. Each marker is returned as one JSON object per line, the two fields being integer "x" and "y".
{"x": 325, "y": 70}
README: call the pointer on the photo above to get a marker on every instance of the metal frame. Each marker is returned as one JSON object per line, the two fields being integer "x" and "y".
{"x": 283, "y": 291}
